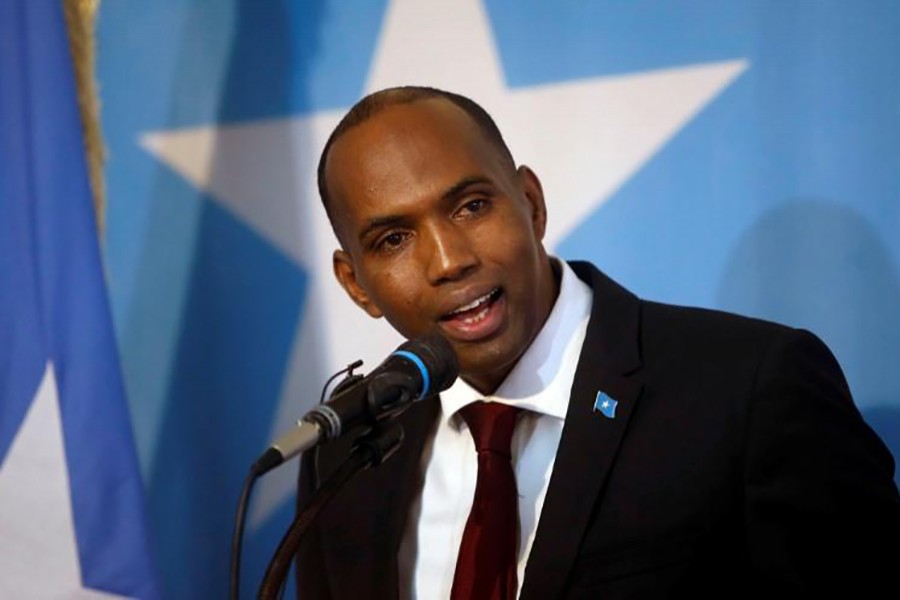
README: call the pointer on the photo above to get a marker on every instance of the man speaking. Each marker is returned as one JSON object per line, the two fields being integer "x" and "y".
{"x": 595, "y": 444}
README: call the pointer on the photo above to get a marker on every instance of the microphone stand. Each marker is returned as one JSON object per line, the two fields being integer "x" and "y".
{"x": 371, "y": 449}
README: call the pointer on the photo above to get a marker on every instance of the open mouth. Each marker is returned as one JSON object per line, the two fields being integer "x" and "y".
{"x": 476, "y": 310}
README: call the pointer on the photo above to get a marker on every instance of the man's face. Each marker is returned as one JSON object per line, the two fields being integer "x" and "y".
{"x": 441, "y": 234}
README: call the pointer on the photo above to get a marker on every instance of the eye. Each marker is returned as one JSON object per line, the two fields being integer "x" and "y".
{"x": 473, "y": 207}
{"x": 391, "y": 241}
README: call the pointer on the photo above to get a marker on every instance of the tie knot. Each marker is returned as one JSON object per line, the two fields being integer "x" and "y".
{"x": 492, "y": 425}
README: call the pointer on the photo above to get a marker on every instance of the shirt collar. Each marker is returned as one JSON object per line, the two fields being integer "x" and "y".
{"x": 541, "y": 380}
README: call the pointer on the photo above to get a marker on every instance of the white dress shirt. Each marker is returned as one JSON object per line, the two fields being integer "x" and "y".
{"x": 540, "y": 383}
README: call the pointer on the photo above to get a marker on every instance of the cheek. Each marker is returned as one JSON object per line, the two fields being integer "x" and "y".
{"x": 512, "y": 246}
{"x": 397, "y": 295}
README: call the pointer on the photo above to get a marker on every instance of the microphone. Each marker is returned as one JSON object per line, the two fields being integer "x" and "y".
{"x": 416, "y": 369}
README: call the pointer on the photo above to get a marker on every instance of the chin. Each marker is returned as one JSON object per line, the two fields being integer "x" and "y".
{"x": 491, "y": 361}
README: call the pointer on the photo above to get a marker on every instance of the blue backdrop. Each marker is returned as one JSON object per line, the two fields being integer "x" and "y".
{"x": 755, "y": 167}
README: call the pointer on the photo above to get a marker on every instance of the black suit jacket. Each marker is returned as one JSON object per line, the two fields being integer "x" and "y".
{"x": 736, "y": 465}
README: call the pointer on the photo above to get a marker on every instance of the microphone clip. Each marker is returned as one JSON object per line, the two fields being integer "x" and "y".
{"x": 380, "y": 406}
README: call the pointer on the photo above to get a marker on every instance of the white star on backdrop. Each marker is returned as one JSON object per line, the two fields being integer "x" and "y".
{"x": 583, "y": 138}
{"x": 37, "y": 533}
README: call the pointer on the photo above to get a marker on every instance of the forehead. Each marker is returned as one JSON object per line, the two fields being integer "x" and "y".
{"x": 410, "y": 151}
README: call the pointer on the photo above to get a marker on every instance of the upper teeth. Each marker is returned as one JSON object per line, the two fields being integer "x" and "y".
{"x": 474, "y": 303}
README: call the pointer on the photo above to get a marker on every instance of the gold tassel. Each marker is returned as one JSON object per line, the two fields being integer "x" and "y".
{"x": 80, "y": 16}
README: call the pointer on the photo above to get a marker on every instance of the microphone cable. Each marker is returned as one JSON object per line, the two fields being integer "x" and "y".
{"x": 240, "y": 517}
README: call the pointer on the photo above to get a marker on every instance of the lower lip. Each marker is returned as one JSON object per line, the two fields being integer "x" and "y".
{"x": 460, "y": 330}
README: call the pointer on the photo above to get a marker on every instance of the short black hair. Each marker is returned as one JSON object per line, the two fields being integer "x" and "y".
{"x": 376, "y": 102}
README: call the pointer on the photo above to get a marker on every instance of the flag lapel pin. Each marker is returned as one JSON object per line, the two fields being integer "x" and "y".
{"x": 605, "y": 405}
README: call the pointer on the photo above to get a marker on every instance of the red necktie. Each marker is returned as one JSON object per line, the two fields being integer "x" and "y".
{"x": 486, "y": 564}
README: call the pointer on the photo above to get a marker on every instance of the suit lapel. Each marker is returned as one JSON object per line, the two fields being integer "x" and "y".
{"x": 367, "y": 520}
{"x": 590, "y": 440}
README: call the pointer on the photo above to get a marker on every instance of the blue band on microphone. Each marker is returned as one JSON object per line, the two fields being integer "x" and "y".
{"x": 426, "y": 381}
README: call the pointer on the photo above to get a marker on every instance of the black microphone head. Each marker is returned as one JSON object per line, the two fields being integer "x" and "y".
{"x": 439, "y": 359}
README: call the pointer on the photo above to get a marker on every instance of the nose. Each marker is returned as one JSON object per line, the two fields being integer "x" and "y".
{"x": 450, "y": 255}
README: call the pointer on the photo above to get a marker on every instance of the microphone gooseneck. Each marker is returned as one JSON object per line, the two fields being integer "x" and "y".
{"x": 418, "y": 368}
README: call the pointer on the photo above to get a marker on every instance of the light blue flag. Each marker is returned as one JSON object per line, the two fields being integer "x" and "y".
{"x": 733, "y": 155}
{"x": 71, "y": 501}
{"x": 605, "y": 405}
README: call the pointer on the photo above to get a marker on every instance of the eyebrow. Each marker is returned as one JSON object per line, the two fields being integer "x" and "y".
{"x": 459, "y": 187}
{"x": 449, "y": 194}
{"x": 377, "y": 223}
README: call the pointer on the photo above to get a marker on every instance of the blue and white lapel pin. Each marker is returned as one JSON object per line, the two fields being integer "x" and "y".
{"x": 605, "y": 405}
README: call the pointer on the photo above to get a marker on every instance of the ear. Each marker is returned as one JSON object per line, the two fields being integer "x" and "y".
{"x": 534, "y": 193}
{"x": 346, "y": 276}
